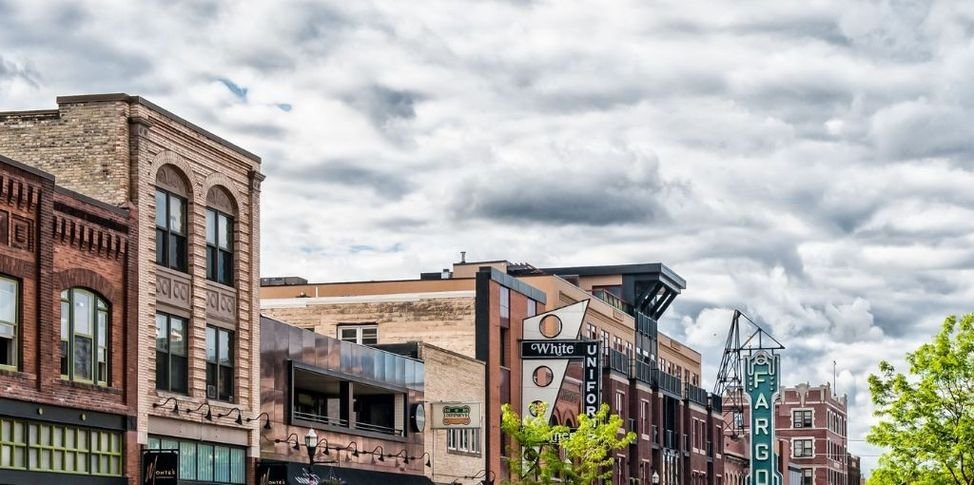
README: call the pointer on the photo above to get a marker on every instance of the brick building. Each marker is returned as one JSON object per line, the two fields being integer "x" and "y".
{"x": 676, "y": 422}
{"x": 812, "y": 424}
{"x": 69, "y": 392}
{"x": 197, "y": 238}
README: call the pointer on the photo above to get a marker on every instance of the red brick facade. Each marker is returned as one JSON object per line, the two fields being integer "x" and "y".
{"x": 52, "y": 240}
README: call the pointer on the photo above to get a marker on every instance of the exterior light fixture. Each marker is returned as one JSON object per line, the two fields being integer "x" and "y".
{"x": 175, "y": 408}
{"x": 267, "y": 425}
{"x": 239, "y": 419}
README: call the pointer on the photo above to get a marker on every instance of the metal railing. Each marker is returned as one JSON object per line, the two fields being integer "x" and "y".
{"x": 375, "y": 428}
{"x": 321, "y": 419}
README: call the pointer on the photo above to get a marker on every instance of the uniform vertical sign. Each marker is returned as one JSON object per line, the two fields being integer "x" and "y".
{"x": 761, "y": 386}
{"x": 591, "y": 381}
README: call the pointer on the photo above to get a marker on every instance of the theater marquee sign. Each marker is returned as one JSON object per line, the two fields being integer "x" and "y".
{"x": 761, "y": 386}
{"x": 550, "y": 342}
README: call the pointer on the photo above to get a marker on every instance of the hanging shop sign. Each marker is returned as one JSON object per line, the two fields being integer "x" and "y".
{"x": 455, "y": 415}
{"x": 761, "y": 386}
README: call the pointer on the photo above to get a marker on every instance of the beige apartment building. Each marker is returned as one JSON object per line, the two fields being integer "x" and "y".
{"x": 197, "y": 197}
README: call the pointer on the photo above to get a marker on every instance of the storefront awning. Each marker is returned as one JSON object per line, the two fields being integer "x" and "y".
{"x": 281, "y": 473}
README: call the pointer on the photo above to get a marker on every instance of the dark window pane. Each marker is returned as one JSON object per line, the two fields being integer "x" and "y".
{"x": 161, "y": 251}
{"x": 225, "y": 269}
{"x": 177, "y": 252}
{"x": 211, "y": 255}
{"x": 226, "y": 383}
{"x": 178, "y": 377}
{"x": 162, "y": 371}
{"x": 211, "y": 377}
{"x": 64, "y": 357}
{"x": 82, "y": 357}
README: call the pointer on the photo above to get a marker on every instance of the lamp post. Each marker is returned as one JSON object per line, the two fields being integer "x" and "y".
{"x": 311, "y": 443}
{"x": 655, "y": 478}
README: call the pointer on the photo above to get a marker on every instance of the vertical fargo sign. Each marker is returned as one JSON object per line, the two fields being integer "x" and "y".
{"x": 761, "y": 387}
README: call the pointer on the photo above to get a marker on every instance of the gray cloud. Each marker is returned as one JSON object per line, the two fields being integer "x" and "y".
{"x": 810, "y": 164}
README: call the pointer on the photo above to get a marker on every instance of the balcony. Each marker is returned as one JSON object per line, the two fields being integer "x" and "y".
{"x": 668, "y": 384}
{"x": 697, "y": 395}
{"x": 616, "y": 361}
{"x": 716, "y": 403}
{"x": 643, "y": 371}
{"x": 613, "y": 301}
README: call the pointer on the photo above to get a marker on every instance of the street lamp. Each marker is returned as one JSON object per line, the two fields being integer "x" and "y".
{"x": 655, "y": 478}
{"x": 311, "y": 443}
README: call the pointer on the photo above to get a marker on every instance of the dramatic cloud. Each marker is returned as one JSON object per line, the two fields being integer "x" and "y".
{"x": 809, "y": 164}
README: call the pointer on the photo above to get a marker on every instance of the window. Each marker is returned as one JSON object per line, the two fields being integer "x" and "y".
{"x": 505, "y": 305}
{"x": 801, "y": 418}
{"x": 171, "y": 361}
{"x": 219, "y": 247}
{"x": 463, "y": 440}
{"x": 532, "y": 308}
{"x": 620, "y": 399}
{"x": 360, "y": 334}
{"x": 171, "y": 230}
{"x": 46, "y": 447}
{"x": 605, "y": 343}
{"x": 205, "y": 462}
{"x": 802, "y": 448}
{"x": 644, "y": 417}
{"x": 219, "y": 364}
{"x": 8, "y": 323}
{"x": 591, "y": 332}
{"x": 84, "y": 337}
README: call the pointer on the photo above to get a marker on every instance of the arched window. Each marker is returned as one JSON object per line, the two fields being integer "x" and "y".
{"x": 84, "y": 337}
{"x": 219, "y": 236}
{"x": 171, "y": 224}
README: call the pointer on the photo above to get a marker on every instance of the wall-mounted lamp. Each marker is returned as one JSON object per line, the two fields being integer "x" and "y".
{"x": 175, "y": 408}
{"x": 209, "y": 412}
{"x": 352, "y": 446}
{"x": 239, "y": 419}
{"x": 380, "y": 451}
{"x": 402, "y": 454}
{"x": 487, "y": 475}
{"x": 291, "y": 438}
{"x": 267, "y": 425}
{"x": 429, "y": 462}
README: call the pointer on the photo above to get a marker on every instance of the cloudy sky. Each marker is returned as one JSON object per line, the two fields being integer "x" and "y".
{"x": 811, "y": 165}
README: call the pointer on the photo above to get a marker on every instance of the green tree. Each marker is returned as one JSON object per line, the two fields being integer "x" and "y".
{"x": 927, "y": 416}
{"x": 581, "y": 457}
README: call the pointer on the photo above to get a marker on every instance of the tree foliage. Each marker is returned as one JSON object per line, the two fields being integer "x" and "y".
{"x": 927, "y": 416}
{"x": 581, "y": 457}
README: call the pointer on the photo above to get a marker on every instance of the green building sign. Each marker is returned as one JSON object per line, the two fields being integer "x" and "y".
{"x": 761, "y": 386}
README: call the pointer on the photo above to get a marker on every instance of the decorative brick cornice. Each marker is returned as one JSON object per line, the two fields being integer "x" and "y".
{"x": 17, "y": 193}
{"x": 89, "y": 237}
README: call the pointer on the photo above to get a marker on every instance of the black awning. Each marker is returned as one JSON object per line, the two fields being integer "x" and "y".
{"x": 272, "y": 473}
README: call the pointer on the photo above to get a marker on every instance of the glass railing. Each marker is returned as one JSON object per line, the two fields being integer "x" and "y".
{"x": 697, "y": 395}
{"x": 613, "y": 301}
{"x": 321, "y": 419}
{"x": 616, "y": 361}
{"x": 668, "y": 383}
{"x": 375, "y": 428}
